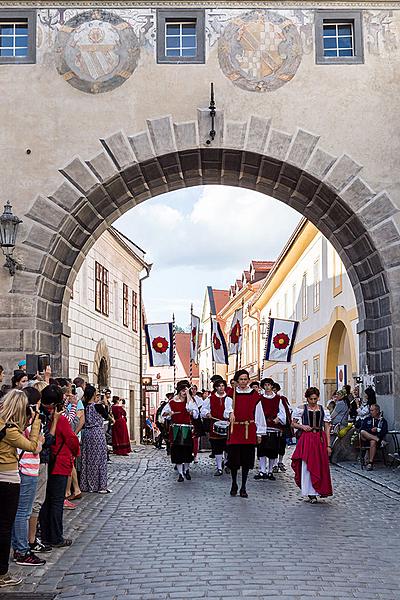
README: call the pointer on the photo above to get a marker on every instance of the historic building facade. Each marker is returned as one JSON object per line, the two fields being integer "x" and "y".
{"x": 104, "y": 320}
{"x": 117, "y": 112}
{"x": 214, "y": 301}
{"x": 309, "y": 284}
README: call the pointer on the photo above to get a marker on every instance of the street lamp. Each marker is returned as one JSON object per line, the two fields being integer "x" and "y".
{"x": 263, "y": 327}
{"x": 9, "y": 224}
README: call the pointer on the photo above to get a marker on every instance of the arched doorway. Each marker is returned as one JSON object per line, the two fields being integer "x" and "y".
{"x": 101, "y": 366}
{"x": 338, "y": 354}
{"x": 327, "y": 190}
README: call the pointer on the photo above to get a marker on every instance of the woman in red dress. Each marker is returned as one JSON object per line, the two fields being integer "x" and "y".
{"x": 120, "y": 437}
{"x": 310, "y": 460}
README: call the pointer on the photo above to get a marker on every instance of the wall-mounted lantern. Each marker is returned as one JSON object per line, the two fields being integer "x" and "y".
{"x": 9, "y": 224}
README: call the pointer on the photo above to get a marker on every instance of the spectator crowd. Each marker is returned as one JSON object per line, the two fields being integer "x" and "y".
{"x": 55, "y": 440}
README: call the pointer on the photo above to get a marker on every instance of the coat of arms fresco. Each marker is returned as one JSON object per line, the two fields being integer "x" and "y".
{"x": 260, "y": 51}
{"x": 96, "y": 51}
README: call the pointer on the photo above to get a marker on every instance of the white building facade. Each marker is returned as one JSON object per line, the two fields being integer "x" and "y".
{"x": 104, "y": 321}
{"x": 309, "y": 284}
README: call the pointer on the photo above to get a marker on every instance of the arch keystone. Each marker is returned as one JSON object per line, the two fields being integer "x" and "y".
{"x": 79, "y": 174}
{"x": 301, "y": 148}
{"x": 204, "y": 123}
{"x": 119, "y": 149}
{"x": 162, "y": 135}
{"x": 342, "y": 172}
{"x": 257, "y": 133}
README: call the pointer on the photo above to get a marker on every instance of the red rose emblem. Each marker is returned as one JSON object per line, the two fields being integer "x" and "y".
{"x": 160, "y": 345}
{"x": 194, "y": 335}
{"x": 216, "y": 342}
{"x": 281, "y": 341}
{"x": 235, "y": 333}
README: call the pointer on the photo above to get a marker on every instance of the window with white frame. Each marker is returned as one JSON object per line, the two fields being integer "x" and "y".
{"x": 317, "y": 285}
{"x": 294, "y": 385}
{"x": 304, "y": 297}
{"x": 338, "y": 37}
{"x": 285, "y": 306}
{"x": 17, "y": 36}
{"x": 294, "y": 301}
{"x": 316, "y": 372}
{"x": 180, "y": 36}
{"x": 305, "y": 378}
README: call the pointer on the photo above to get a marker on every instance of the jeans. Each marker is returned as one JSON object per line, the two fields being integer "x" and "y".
{"x": 51, "y": 513}
{"x": 27, "y": 493}
{"x": 9, "y": 494}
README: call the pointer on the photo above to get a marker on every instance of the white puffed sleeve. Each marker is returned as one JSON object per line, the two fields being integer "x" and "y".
{"x": 192, "y": 408}
{"x": 228, "y": 407}
{"x": 166, "y": 411}
{"x": 260, "y": 420}
{"x": 297, "y": 413}
{"x": 205, "y": 409}
{"x": 281, "y": 413}
{"x": 327, "y": 416}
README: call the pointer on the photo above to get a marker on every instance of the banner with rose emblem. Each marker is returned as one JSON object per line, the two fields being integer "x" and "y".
{"x": 194, "y": 338}
{"x": 281, "y": 338}
{"x": 235, "y": 334}
{"x": 159, "y": 338}
{"x": 218, "y": 344}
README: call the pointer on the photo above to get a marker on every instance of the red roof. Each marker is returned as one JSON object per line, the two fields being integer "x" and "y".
{"x": 246, "y": 276}
{"x": 182, "y": 341}
{"x": 239, "y": 284}
{"x": 262, "y": 265}
{"x": 221, "y": 297}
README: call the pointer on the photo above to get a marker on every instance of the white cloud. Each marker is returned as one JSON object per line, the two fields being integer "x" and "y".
{"x": 203, "y": 236}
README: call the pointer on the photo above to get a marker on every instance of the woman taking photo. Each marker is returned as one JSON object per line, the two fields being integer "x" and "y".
{"x": 120, "y": 437}
{"x": 94, "y": 446}
{"x": 14, "y": 417}
{"x": 310, "y": 460}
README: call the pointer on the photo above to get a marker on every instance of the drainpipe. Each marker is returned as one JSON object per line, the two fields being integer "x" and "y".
{"x": 141, "y": 393}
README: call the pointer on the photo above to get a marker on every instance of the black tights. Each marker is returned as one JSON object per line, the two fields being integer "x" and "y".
{"x": 245, "y": 473}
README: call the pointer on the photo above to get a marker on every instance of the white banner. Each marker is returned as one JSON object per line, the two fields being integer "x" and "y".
{"x": 236, "y": 332}
{"x": 160, "y": 345}
{"x": 281, "y": 338}
{"x": 218, "y": 344}
{"x": 194, "y": 338}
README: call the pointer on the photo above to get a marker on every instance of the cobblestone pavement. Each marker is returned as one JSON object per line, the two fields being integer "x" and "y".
{"x": 388, "y": 478}
{"x": 154, "y": 538}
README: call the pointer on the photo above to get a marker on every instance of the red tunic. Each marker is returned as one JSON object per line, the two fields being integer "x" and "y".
{"x": 271, "y": 408}
{"x": 183, "y": 417}
{"x": 244, "y": 430}
{"x": 217, "y": 408}
{"x": 120, "y": 436}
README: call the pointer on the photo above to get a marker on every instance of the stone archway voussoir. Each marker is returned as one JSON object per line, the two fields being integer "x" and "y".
{"x": 119, "y": 149}
{"x": 342, "y": 172}
{"x": 79, "y": 174}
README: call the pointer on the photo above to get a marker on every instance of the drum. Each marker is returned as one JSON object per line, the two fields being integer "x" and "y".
{"x": 182, "y": 435}
{"x": 221, "y": 428}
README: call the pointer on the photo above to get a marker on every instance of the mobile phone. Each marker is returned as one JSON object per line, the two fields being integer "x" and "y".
{"x": 73, "y": 389}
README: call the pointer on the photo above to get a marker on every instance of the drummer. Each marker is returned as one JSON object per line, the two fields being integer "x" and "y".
{"x": 181, "y": 409}
{"x": 213, "y": 408}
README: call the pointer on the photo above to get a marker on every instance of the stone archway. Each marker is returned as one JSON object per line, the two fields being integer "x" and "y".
{"x": 101, "y": 365}
{"x": 328, "y": 190}
{"x": 339, "y": 350}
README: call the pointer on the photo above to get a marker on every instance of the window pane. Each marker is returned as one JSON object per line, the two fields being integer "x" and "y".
{"x": 344, "y": 29}
{"x": 329, "y": 30}
{"x": 6, "y": 41}
{"x": 345, "y": 42}
{"x": 172, "y": 52}
{"x": 172, "y": 42}
{"x": 345, "y": 52}
{"x": 189, "y": 52}
{"x": 190, "y": 41}
{"x": 22, "y": 41}
{"x": 189, "y": 28}
{"x": 172, "y": 29}
{"x": 6, "y": 30}
{"x": 7, "y": 52}
{"x": 21, "y": 52}
{"x": 330, "y": 53}
{"x": 330, "y": 42}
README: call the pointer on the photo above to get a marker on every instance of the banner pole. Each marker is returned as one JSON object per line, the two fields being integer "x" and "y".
{"x": 264, "y": 360}
{"x": 174, "y": 346}
{"x": 211, "y": 343}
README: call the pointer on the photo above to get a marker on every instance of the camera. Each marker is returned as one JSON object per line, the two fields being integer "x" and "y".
{"x": 37, "y": 363}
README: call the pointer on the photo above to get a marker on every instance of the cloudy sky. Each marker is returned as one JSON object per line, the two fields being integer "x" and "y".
{"x": 203, "y": 236}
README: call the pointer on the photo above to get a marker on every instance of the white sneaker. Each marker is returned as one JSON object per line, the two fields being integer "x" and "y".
{"x": 8, "y": 580}
{"x": 196, "y": 460}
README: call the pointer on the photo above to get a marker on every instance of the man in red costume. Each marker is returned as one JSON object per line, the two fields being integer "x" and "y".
{"x": 271, "y": 420}
{"x": 242, "y": 437}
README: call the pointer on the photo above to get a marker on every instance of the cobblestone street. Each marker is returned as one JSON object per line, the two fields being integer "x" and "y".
{"x": 153, "y": 538}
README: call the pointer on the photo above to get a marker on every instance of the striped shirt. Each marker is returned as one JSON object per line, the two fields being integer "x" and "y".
{"x": 29, "y": 462}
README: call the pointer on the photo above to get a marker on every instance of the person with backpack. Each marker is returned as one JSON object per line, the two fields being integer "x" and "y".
{"x": 310, "y": 460}
{"x": 14, "y": 415}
